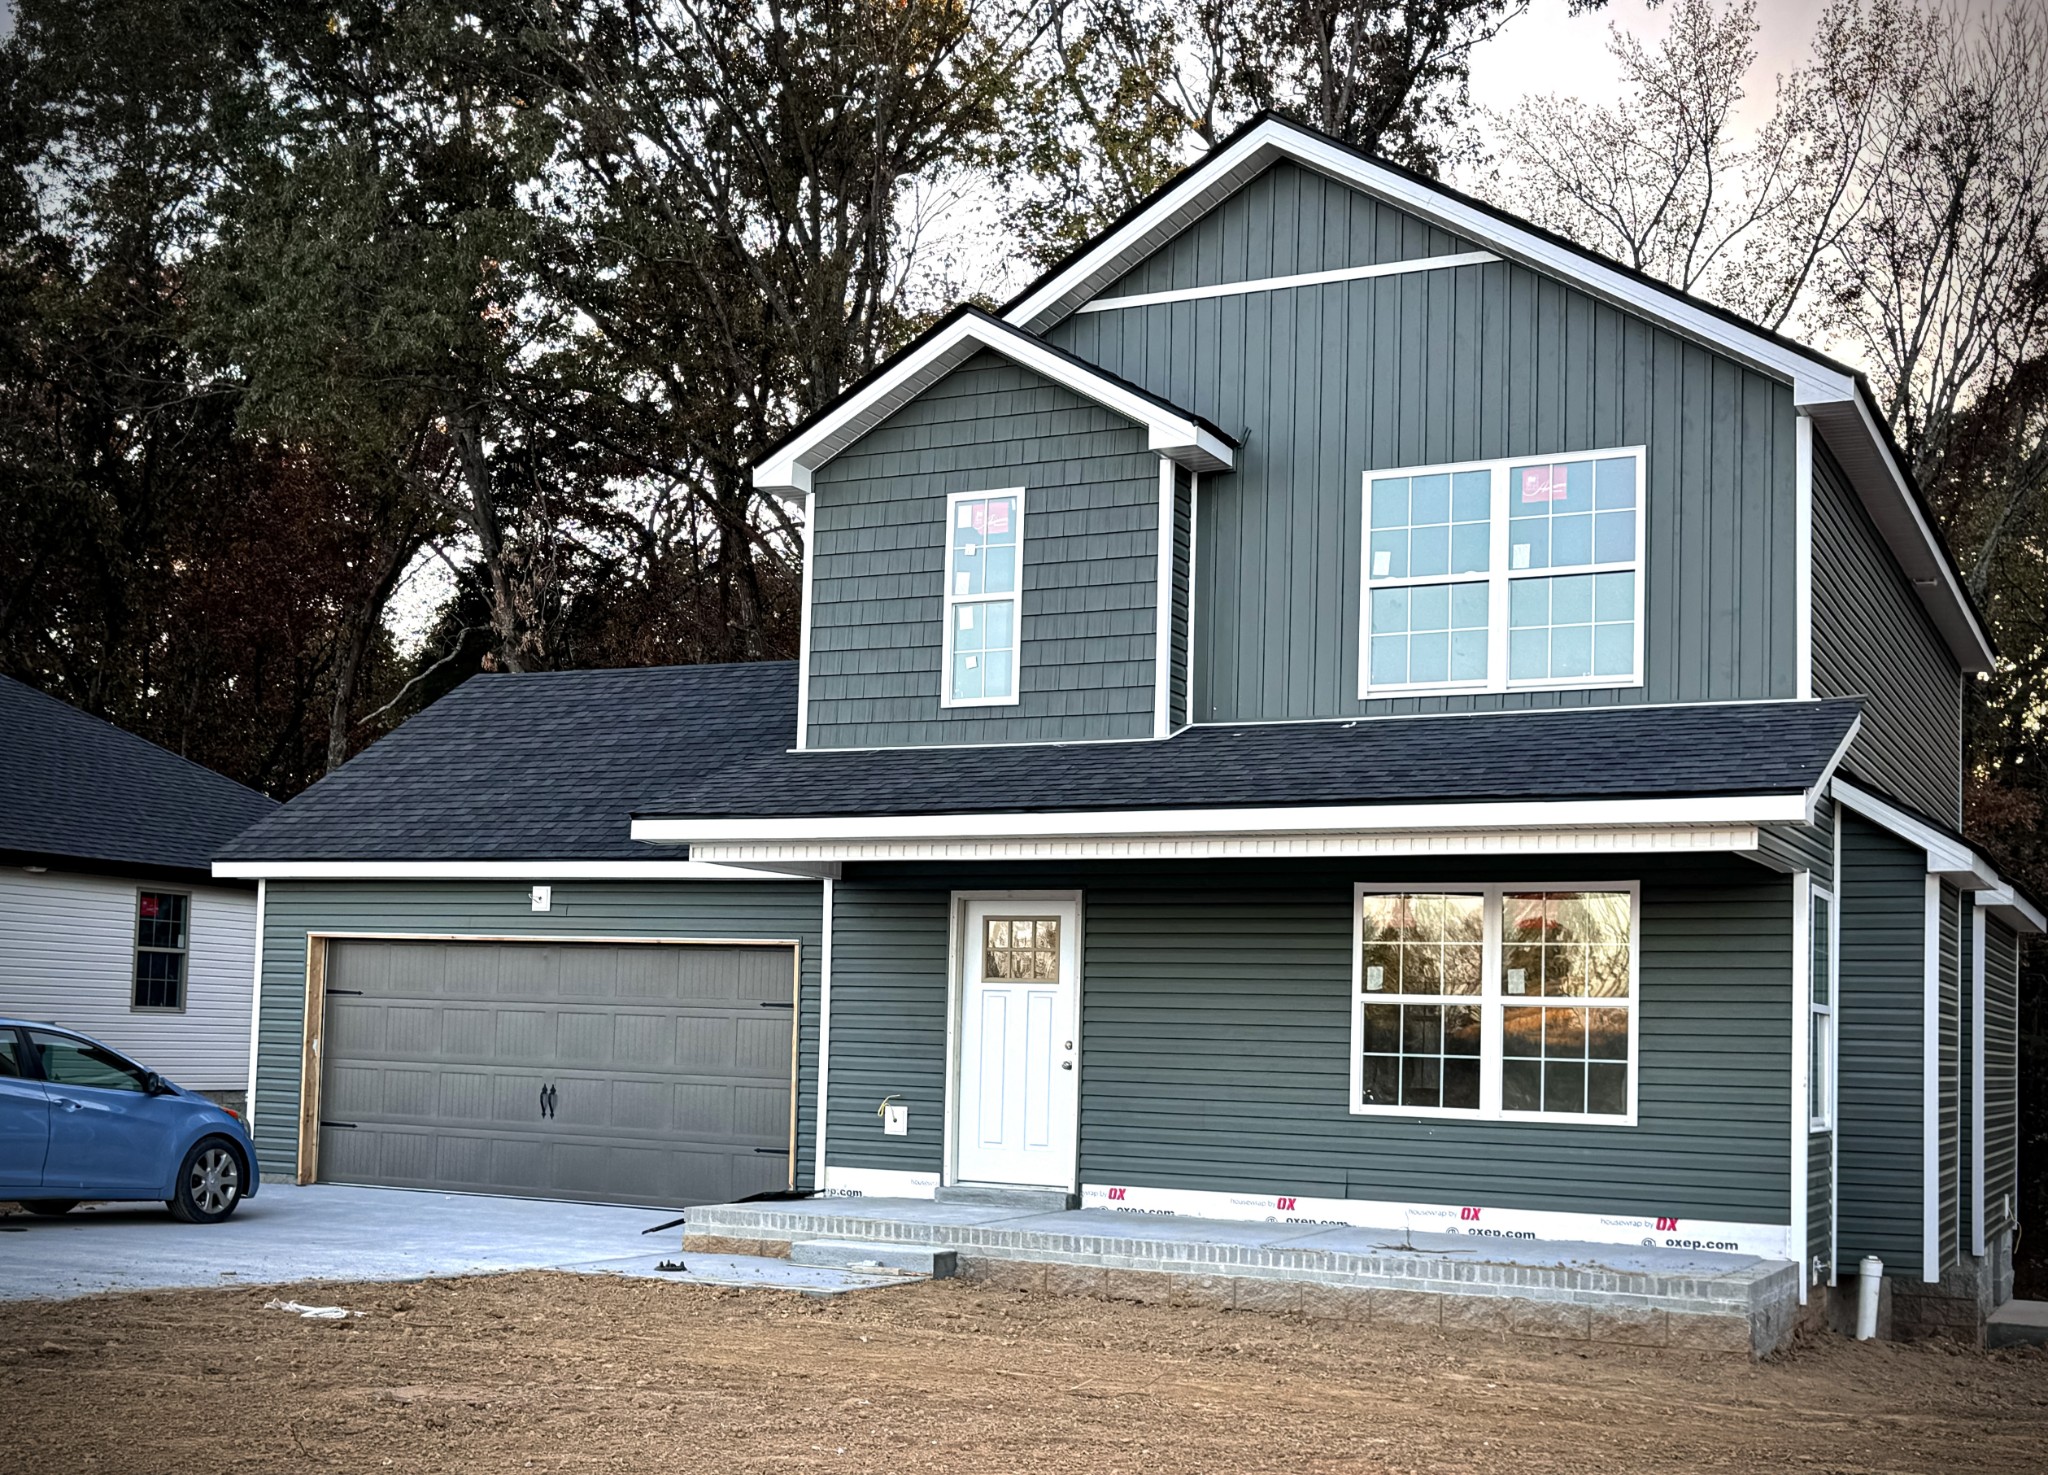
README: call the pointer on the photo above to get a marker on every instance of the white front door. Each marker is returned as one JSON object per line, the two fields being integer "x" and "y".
{"x": 1019, "y": 1065}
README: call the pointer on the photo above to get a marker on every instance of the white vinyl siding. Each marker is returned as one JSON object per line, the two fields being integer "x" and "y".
{"x": 67, "y": 957}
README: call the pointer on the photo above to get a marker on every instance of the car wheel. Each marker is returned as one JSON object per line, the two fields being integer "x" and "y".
{"x": 210, "y": 1183}
{"x": 49, "y": 1207}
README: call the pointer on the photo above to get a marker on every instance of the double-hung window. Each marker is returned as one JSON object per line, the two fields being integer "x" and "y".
{"x": 1496, "y": 1001}
{"x": 1520, "y": 573}
{"x": 984, "y": 583}
{"x": 1820, "y": 1062}
{"x": 161, "y": 945}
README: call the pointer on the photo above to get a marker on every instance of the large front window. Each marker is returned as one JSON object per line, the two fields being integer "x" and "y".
{"x": 1496, "y": 1001}
{"x": 1508, "y": 574}
{"x": 984, "y": 554}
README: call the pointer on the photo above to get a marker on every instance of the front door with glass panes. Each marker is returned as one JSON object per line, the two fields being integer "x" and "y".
{"x": 1015, "y": 1102}
{"x": 1504, "y": 1001}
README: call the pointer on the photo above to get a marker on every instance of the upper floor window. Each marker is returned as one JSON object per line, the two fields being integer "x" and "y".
{"x": 1516, "y": 573}
{"x": 984, "y": 582}
{"x": 160, "y": 949}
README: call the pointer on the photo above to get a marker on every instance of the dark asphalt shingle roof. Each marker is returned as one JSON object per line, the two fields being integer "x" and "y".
{"x": 554, "y": 766}
{"x": 78, "y": 791}
{"x": 547, "y": 765}
{"x": 1604, "y": 753}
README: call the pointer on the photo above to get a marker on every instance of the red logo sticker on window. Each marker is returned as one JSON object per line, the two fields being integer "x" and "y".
{"x": 999, "y": 516}
{"x": 1542, "y": 483}
{"x": 149, "y": 906}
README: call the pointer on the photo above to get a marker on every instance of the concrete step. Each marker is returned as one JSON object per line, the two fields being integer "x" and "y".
{"x": 2018, "y": 1324}
{"x": 1023, "y": 1200}
{"x": 870, "y": 1257}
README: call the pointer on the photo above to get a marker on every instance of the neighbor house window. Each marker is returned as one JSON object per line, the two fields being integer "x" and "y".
{"x": 1498, "y": 1001}
{"x": 1496, "y": 575}
{"x": 161, "y": 945}
{"x": 1820, "y": 1064}
{"x": 984, "y": 554}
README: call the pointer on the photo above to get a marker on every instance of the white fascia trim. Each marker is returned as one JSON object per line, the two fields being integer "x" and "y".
{"x": 485, "y": 870}
{"x": 1947, "y": 857}
{"x": 1745, "y": 809}
{"x": 1662, "y": 840}
{"x": 1976, "y": 1049}
{"x": 803, "y": 652}
{"x": 1162, "y": 637}
{"x": 1802, "y": 559}
{"x": 787, "y": 472}
{"x": 1281, "y": 284}
{"x": 1930, "y": 1084}
{"x": 2012, "y": 909}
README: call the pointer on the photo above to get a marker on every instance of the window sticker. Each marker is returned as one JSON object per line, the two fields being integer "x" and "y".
{"x": 1518, "y": 557}
{"x": 1382, "y": 562}
{"x": 998, "y": 516}
{"x": 1543, "y": 484}
{"x": 966, "y": 518}
{"x": 1376, "y": 978}
{"x": 962, "y": 584}
{"x": 1517, "y": 981}
{"x": 967, "y": 617}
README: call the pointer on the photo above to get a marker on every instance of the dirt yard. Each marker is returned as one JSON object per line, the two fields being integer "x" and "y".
{"x": 565, "y": 1373}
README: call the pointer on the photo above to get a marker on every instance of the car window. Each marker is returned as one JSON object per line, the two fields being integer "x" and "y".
{"x": 70, "y": 1062}
{"x": 10, "y": 1055}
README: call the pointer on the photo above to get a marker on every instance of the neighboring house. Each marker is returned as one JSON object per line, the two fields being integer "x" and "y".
{"x": 110, "y": 919}
{"x": 1335, "y": 705}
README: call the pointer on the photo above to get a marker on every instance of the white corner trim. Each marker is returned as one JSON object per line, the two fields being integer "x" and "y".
{"x": 1194, "y": 584}
{"x": 821, "y": 1113}
{"x": 484, "y": 870}
{"x": 1976, "y": 1049}
{"x": 1745, "y": 809}
{"x": 1802, "y": 558}
{"x": 803, "y": 652}
{"x": 1947, "y": 857}
{"x": 1802, "y": 1067}
{"x": 1930, "y": 1085}
{"x": 787, "y": 471}
{"x": 1281, "y": 284}
{"x": 1162, "y": 637}
{"x": 255, "y": 1010}
{"x": 1735, "y": 839}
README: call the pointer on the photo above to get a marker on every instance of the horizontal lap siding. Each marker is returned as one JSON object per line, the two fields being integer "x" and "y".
{"x": 1178, "y": 711}
{"x": 1089, "y": 576}
{"x": 1216, "y": 1043}
{"x": 700, "y": 909}
{"x": 1883, "y": 972}
{"x": 1326, "y": 382}
{"x": 1805, "y": 847}
{"x": 1820, "y": 1174}
{"x": 1951, "y": 1044}
{"x": 2001, "y": 1078}
{"x": 1872, "y": 638}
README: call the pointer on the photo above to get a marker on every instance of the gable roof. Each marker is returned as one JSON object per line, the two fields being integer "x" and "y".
{"x": 1179, "y": 435}
{"x": 79, "y": 793}
{"x": 1836, "y": 397}
{"x": 540, "y": 766}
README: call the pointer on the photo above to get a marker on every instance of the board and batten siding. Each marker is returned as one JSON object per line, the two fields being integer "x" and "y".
{"x": 67, "y": 956}
{"x": 1880, "y": 1070}
{"x": 2001, "y": 1075}
{"x": 1216, "y": 1037}
{"x": 703, "y": 910}
{"x": 1872, "y": 639}
{"x": 1089, "y": 574}
{"x": 1324, "y": 383}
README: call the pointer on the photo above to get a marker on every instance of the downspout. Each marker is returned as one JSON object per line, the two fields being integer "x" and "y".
{"x": 824, "y": 1034}
{"x": 255, "y": 1012}
{"x": 1162, "y": 639}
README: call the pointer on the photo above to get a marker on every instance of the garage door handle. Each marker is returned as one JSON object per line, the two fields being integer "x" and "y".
{"x": 547, "y": 1101}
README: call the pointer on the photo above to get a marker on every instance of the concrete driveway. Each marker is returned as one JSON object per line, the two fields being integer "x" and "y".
{"x": 337, "y": 1233}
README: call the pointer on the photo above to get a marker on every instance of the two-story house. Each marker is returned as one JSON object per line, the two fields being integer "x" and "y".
{"x": 1335, "y": 706}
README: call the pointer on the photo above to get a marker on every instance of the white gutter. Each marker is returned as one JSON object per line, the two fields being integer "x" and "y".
{"x": 483, "y": 870}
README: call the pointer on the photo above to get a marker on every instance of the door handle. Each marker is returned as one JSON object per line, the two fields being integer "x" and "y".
{"x": 1066, "y": 1065}
{"x": 69, "y": 1105}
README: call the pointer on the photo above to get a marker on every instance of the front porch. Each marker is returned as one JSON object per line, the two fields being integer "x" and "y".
{"x": 1644, "y": 1296}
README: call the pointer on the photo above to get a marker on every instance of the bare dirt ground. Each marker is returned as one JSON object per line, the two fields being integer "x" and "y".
{"x": 554, "y": 1372}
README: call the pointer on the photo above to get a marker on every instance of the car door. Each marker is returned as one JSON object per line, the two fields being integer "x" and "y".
{"x": 24, "y": 1117}
{"x": 108, "y": 1134}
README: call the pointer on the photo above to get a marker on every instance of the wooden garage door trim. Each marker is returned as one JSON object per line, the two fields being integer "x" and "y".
{"x": 310, "y": 1071}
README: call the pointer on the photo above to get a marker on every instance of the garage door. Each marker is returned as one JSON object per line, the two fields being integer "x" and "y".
{"x": 649, "y": 1074}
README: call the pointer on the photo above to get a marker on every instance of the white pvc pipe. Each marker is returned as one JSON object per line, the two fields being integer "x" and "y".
{"x": 1869, "y": 1276}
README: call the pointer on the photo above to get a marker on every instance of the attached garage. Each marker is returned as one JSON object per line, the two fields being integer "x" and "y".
{"x": 624, "y": 1072}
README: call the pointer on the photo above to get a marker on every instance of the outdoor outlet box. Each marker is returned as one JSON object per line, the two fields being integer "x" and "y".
{"x": 895, "y": 1121}
{"x": 543, "y": 898}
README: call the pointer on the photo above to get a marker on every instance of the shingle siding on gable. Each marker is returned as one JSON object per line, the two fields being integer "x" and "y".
{"x": 1324, "y": 383}
{"x": 1871, "y": 638}
{"x": 1091, "y": 514}
{"x": 1324, "y": 226}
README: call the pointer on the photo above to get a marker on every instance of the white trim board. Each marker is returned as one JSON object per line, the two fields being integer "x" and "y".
{"x": 1835, "y": 397}
{"x": 1802, "y": 1067}
{"x": 1930, "y": 1083}
{"x": 1281, "y": 284}
{"x": 1975, "y": 1045}
{"x": 1664, "y": 840}
{"x": 1947, "y": 857}
{"x": 1162, "y": 595}
{"x": 485, "y": 870}
{"x": 786, "y": 472}
{"x": 824, "y": 1034}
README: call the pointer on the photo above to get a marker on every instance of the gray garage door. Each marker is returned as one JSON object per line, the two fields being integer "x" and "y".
{"x": 650, "y": 1074}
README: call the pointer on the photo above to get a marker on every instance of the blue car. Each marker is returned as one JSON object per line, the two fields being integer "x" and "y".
{"x": 81, "y": 1122}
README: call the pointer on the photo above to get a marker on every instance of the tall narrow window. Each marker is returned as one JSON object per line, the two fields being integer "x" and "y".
{"x": 1820, "y": 1064}
{"x": 984, "y": 556}
{"x": 1504, "y": 574}
{"x": 160, "y": 949}
{"x": 1496, "y": 1001}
